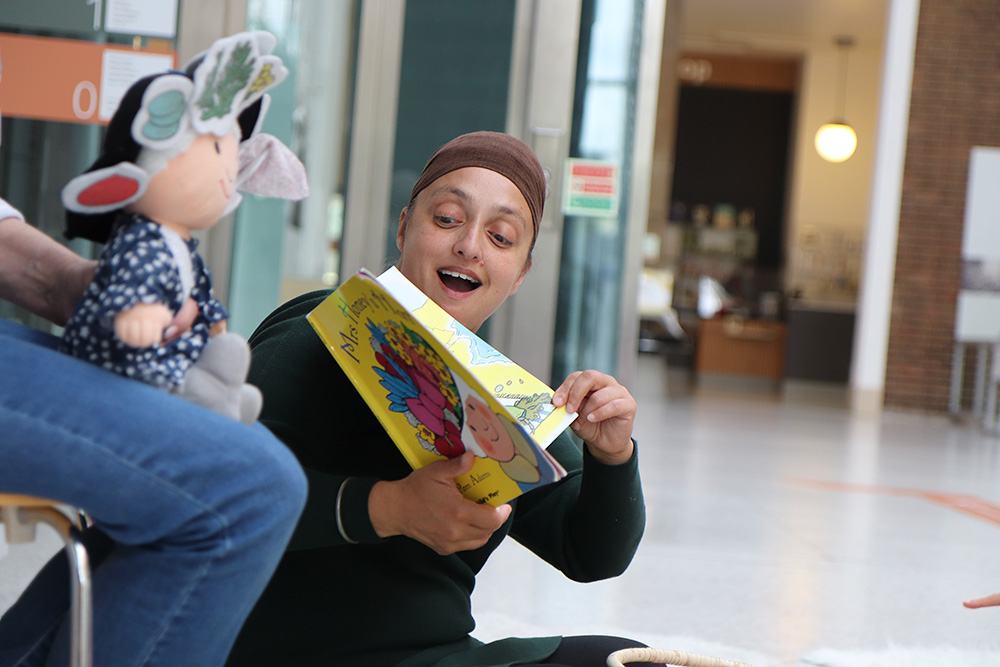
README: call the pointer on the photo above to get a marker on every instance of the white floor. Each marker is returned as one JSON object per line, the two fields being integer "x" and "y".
{"x": 781, "y": 527}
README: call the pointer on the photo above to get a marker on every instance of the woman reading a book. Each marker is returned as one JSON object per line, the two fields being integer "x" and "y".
{"x": 382, "y": 565}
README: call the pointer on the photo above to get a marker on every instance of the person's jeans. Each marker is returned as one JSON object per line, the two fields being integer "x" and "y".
{"x": 192, "y": 510}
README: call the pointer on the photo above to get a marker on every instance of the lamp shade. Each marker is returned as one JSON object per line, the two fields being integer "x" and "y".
{"x": 836, "y": 142}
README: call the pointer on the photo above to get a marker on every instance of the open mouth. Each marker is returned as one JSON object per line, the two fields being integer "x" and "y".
{"x": 459, "y": 282}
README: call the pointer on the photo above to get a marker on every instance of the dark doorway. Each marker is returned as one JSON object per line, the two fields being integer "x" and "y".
{"x": 732, "y": 147}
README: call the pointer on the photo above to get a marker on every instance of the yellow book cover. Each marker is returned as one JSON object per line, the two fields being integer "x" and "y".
{"x": 438, "y": 389}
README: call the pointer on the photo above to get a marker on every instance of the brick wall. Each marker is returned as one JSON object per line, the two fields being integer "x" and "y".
{"x": 955, "y": 105}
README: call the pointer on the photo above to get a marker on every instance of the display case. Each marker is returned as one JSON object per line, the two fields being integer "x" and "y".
{"x": 727, "y": 255}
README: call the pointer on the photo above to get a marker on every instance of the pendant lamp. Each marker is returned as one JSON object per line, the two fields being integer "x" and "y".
{"x": 837, "y": 140}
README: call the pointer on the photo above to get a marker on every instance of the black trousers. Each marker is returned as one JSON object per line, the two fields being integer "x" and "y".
{"x": 586, "y": 651}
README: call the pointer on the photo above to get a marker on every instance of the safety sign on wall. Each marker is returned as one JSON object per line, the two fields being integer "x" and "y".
{"x": 591, "y": 188}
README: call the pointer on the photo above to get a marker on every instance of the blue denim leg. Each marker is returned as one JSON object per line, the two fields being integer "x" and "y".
{"x": 198, "y": 508}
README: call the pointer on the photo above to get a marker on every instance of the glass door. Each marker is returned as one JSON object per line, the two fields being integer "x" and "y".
{"x": 592, "y": 267}
{"x": 590, "y": 118}
{"x": 282, "y": 249}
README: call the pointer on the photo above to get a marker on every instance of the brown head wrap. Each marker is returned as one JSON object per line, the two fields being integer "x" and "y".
{"x": 497, "y": 152}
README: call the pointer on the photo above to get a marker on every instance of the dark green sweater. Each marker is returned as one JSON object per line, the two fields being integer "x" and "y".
{"x": 394, "y": 601}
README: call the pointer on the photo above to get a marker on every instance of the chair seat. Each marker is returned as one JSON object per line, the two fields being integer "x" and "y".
{"x": 20, "y": 500}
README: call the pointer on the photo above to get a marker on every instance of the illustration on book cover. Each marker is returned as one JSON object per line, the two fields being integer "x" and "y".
{"x": 440, "y": 406}
{"x": 438, "y": 389}
{"x": 526, "y": 398}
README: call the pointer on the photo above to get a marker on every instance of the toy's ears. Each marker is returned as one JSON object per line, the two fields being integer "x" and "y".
{"x": 269, "y": 168}
{"x": 104, "y": 190}
{"x": 163, "y": 114}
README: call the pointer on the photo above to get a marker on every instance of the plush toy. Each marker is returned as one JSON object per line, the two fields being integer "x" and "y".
{"x": 176, "y": 151}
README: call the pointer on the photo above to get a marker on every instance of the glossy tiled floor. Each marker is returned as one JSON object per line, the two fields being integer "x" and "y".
{"x": 779, "y": 522}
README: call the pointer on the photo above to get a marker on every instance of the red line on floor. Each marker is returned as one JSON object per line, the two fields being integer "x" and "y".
{"x": 961, "y": 502}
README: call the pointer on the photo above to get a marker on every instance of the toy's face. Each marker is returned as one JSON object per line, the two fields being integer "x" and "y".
{"x": 488, "y": 430}
{"x": 195, "y": 187}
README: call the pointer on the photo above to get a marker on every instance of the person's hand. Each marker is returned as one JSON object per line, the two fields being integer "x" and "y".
{"x": 988, "y": 601}
{"x": 217, "y": 328}
{"x": 182, "y": 322}
{"x": 606, "y": 414}
{"x": 37, "y": 272}
{"x": 428, "y": 507}
{"x": 143, "y": 324}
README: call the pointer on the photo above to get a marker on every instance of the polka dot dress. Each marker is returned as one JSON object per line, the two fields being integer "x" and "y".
{"x": 135, "y": 267}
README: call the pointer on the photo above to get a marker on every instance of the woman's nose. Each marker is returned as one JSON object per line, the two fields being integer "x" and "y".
{"x": 467, "y": 245}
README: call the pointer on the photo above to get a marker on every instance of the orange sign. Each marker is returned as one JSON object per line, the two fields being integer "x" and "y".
{"x": 69, "y": 80}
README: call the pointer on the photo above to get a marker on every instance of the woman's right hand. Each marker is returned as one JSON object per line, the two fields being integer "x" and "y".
{"x": 428, "y": 507}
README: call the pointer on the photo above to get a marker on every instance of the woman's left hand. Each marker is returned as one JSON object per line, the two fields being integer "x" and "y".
{"x": 605, "y": 414}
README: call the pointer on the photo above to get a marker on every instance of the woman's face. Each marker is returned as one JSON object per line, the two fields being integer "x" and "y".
{"x": 466, "y": 242}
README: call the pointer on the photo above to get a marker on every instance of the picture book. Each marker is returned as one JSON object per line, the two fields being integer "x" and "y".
{"x": 438, "y": 389}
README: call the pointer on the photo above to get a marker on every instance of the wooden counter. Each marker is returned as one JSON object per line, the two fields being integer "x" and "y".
{"x": 737, "y": 346}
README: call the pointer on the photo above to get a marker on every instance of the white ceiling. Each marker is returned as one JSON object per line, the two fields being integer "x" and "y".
{"x": 780, "y": 25}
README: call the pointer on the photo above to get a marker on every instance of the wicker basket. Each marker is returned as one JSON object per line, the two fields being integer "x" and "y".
{"x": 677, "y": 658}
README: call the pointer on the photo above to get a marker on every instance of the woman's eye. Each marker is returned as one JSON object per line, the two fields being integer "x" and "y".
{"x": 217, "y": 148}
{"x": 501, "y": 239}
{"x": 445, "y": 220}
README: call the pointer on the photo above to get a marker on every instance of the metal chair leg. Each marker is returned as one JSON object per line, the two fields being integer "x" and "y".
{"x": 81, "y": 601}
